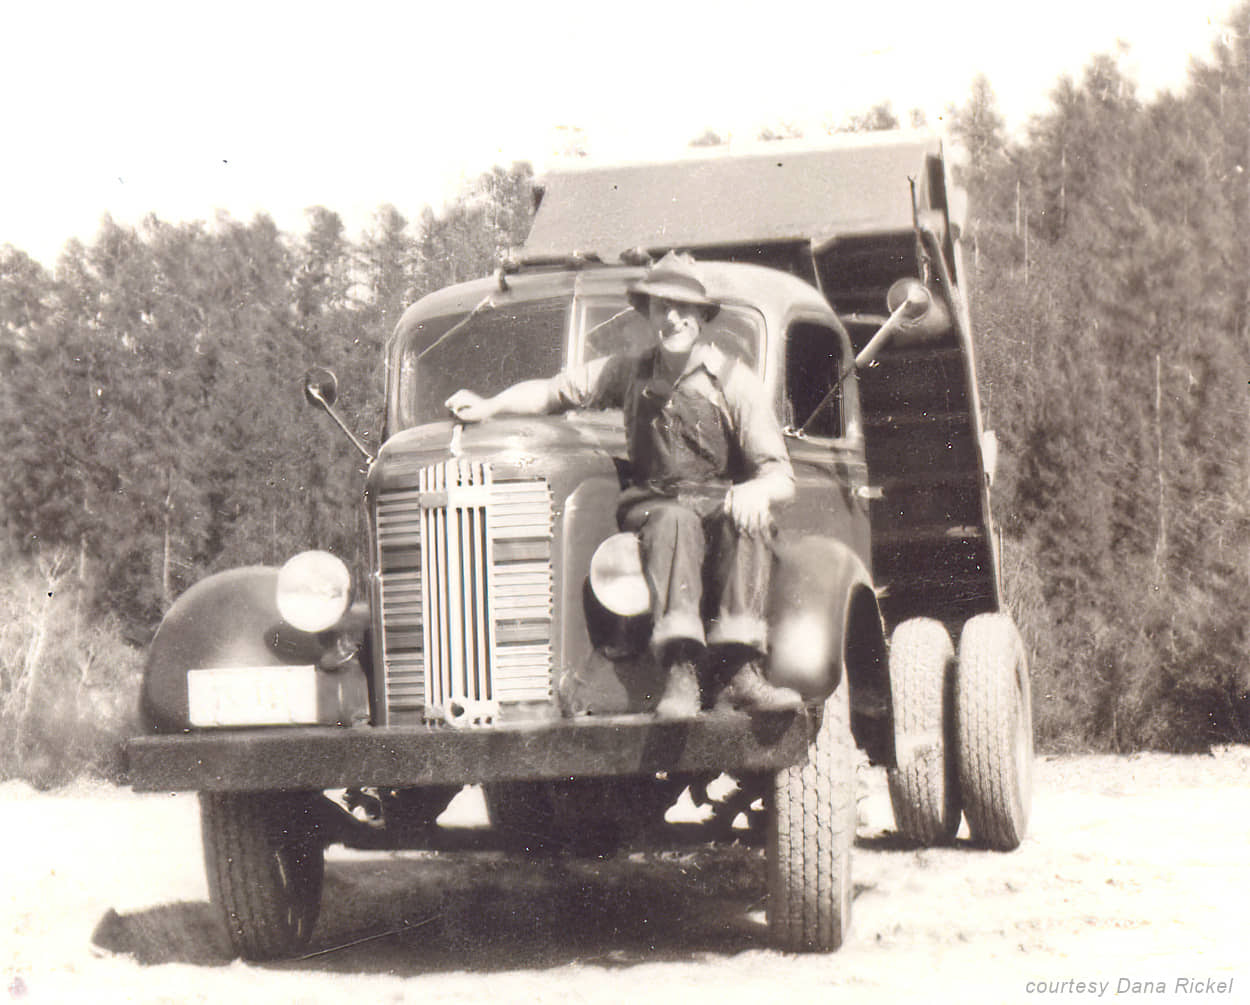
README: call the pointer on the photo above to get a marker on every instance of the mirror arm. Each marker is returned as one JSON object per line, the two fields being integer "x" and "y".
{"x": 916, "y": 302}
{"x": 319, "y": 398}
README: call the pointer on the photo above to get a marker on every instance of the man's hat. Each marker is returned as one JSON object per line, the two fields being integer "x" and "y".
{"x": 673, "y": 277}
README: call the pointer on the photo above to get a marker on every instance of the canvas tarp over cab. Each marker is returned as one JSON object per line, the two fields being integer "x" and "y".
{"x": 845, "y": 215}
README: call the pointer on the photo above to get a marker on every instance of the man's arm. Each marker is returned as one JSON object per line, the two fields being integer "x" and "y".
{"x": 597, "y": 384}
{"x": 749, "y": 503}
{"x": 529, "y": 397}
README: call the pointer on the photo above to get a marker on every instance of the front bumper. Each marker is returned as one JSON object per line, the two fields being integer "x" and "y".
{"x": 329, "y": 757}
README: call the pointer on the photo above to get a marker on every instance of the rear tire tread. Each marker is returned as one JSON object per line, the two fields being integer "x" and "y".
{"x": 995, "y": 731}
{"x": 924, "y": 784}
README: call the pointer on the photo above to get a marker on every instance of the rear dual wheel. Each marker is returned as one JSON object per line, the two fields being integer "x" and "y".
{"x": 995, "y": 727}
{"x": 924, "y": 783}
{"x": 963, "y": 731}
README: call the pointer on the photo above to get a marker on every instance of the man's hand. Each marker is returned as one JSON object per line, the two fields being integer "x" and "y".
{"x": 749, "y": 506}
{"x": 468, "y": 406}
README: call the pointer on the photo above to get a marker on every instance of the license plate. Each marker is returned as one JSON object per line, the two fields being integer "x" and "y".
{"x": 252, "y": 696}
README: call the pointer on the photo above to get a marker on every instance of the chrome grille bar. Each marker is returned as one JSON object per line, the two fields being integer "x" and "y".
{"x": 455, "y": 534}
{"x": 402, "y": 601}
{"x": 466, "y": 591}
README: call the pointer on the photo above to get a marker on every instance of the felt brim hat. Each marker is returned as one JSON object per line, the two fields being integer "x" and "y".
{"x": 673, "y": 277}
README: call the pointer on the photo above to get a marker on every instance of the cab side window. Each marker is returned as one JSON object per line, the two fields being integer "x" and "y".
{"x": 813, "y": 392}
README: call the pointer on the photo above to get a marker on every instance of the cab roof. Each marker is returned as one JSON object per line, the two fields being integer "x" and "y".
{"x": 850, "y": 185}
{"x": 775, "y": 294}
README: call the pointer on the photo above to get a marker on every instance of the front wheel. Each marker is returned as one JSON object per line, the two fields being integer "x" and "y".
{"x": 811, "y": 827}
{"x": 265, "y": 866}
{"x": 995, "y": 725}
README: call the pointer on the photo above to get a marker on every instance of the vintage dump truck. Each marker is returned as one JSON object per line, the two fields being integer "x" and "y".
{"x": 500, "y": 636}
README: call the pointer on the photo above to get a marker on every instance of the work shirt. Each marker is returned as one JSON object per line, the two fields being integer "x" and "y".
{"x": 714, "y": 425}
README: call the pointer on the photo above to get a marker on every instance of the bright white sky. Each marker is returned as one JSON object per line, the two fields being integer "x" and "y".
{"x": 181, "y": 110}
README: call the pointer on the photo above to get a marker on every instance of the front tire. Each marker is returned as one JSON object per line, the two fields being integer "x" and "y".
{"x": 995, "y": 718}
{"x": 265, "y": 866}
{"x": 811, "y": 828}
{"x": 924, "y": 783}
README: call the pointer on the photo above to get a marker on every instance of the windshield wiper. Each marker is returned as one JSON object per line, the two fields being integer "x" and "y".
{"x": 484, "y": 302}
{"x": 604, "y": 324}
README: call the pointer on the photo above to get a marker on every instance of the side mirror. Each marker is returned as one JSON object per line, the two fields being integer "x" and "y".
{"x": 915, "y": 315}
{"x": 321, "y": 387}
{"x": 925, "y": 316}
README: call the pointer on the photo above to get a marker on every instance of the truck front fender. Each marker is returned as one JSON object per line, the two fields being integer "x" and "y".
{"x": 825, "y": 624}
{"x": 229, "y": 619}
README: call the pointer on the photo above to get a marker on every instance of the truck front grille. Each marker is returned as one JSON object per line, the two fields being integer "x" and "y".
{"x": 466, "y": 595}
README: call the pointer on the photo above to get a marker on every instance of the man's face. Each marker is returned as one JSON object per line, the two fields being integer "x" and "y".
{"x": 676, "y": 324}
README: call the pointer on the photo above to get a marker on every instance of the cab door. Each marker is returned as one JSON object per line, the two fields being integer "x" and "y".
{"x": 820, "y": 406}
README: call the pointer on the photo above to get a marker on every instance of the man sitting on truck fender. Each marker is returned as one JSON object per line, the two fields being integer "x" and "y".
{"x": 708, "y": 461}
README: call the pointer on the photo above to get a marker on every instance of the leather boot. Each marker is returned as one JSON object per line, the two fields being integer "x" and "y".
{"x": 747, "y": 690}
{"x": 681, "y": 698}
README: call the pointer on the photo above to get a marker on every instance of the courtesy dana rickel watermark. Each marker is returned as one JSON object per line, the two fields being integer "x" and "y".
{"x": 1131, "y": 986}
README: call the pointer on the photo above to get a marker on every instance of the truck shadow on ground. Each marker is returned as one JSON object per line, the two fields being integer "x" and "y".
{"x": 892, "y": 841}
{"x": 413, "y": 913}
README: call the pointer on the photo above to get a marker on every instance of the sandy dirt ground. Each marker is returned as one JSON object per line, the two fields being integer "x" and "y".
{"x": 1135, "y": 870}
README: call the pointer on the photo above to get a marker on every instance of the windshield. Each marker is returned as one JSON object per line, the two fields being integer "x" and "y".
{"x": 610, "y": 326}
{"x": 491, "y": 348}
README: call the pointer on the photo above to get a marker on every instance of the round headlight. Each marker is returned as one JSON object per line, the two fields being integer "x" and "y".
{"x": 616, "y": 577}
{"x": 314, "y": 589}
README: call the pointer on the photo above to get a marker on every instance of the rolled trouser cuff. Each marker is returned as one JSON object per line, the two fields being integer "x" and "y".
{"x": 739, "y": 629}
{"x": 676, "y": 626}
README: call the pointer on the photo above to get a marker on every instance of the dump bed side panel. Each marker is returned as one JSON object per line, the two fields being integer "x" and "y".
{"x": 933, "y": 541}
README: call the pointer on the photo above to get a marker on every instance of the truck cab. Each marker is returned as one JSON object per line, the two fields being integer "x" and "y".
{"x": 499, "y": 636}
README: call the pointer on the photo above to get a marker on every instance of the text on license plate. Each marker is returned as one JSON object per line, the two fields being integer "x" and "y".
{"x": 252, "y": 696}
